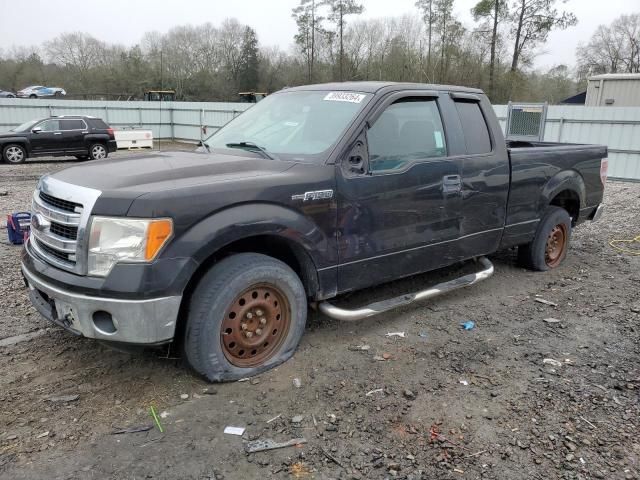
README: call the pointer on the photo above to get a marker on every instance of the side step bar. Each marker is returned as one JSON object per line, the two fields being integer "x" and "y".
{"x": 386, "y": 305}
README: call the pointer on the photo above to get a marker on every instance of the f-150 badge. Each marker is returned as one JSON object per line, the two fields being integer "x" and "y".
{"x": 315, "y": 195}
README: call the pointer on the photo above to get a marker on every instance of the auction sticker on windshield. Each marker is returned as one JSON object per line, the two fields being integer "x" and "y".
{"x": 345, "y": 97}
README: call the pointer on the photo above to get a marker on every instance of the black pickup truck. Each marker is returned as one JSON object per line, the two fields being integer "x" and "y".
{"x": 313, "y": 192}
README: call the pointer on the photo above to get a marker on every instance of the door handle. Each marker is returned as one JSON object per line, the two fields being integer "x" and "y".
{"x": 451, "y": 184}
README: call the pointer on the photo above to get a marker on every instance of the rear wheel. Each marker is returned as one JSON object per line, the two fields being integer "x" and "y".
{"x": 247, "y": 315}
{"x": 551, "y": 242}
{"x": 33, "y": 95}
{"x": 98, "y": 151}
{"x": 14, "y": 154}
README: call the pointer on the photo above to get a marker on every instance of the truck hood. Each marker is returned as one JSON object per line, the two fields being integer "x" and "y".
{"x": 167, "y": 171}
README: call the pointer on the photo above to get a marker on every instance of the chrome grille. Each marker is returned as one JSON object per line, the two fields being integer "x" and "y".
{"x": 61, "y": 204}
{"x": 60, "y": 214}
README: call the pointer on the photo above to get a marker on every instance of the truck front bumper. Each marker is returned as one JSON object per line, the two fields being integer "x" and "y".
{"x": 146, "y": 321}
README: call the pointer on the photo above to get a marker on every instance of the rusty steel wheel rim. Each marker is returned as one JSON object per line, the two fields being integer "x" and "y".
{"x": 556, "y": 245}
{"x": 255, "y": 325}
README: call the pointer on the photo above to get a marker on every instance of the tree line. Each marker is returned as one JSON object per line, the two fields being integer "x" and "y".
{"x": 333, "y": 43}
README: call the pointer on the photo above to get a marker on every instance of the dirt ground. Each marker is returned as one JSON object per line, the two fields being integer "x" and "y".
{"x": 517, "y": 397}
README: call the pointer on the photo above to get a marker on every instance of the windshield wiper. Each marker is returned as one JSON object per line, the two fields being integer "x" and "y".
{"x": 251, "y": 147}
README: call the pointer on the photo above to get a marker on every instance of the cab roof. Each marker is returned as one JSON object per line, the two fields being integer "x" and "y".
{"x": 375, "y": 87}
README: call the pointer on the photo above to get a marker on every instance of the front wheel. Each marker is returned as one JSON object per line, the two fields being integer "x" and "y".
{"x": 550, "y": 243}
{"x": 246, "y": 316}
{"x": 98, "y": 151}
{"x": 14, "y": 154}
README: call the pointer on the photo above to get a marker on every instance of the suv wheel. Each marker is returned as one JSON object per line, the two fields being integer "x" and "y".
{"x": 33, "y": 95}
{"x": 246, "y": 315}
{"x": 14, "y": 154}
{"x": 550, "y": 243}
{"x": 98, "y": 151}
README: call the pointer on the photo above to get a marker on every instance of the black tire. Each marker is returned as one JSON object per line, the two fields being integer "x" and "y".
{"x": 33, "y": 95}
{"x": 14, "y": 154}
{"x": 217, "y": 293}
{"x": 98, "y": 151}
{"x": 540, "y": 254}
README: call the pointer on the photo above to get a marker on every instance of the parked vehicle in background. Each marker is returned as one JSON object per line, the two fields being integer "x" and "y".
{"x": 6, "y": 94}
{"x": 313, "y": 192}
{"x": 38, "y": 91}
{"x": 159, "y": 95}
{"x": 83, "y": 137}
{"x": 251, "y": 97}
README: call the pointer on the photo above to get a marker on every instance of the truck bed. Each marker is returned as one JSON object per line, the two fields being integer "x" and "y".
{"x": 541, "y": 166}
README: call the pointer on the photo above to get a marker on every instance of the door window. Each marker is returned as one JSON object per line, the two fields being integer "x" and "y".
{"x": 409, "y": 130}
{"x": 50, "y": 126}
{"x": 71, "y": 124}
{"x": 474, "y": 126}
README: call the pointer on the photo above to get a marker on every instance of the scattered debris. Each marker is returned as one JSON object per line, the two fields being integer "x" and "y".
{"x": 210, "y": 391}
{"x": 245, "y": 379}
{"x": 234, "y": 430}
{"x": 274, "y": 418}
{"x": 360, "y": 348}
{"x": 457, "y": 470}
{"x": 396, "y": 334}
{"x": 184, "y": 396}
{"x": 377, "y": 390}
{"x": 63, "y": 398}
{"x": 408, "y": 394}
{"x": 551, "y": 320}
{"x": 468, "y": 325}
{"x": 156, "y": 419}
{"x": 332, "y": 458}
{"x": 140, "y": 428}
{"x": 164, "y": 414}
{"x": 546, "y": 302}
{"x": 4, "y": 193}
{"x": 552, "y": 362}
{"x": 464, "y": 382}
{"x": 297, "y": 419}
{"x": 268, "y": 444}
{"x": 386, "y": 356}
{"x": 297, "y": 383}
{"x": 423, "y": 334}
{"x": 43, "y": 434}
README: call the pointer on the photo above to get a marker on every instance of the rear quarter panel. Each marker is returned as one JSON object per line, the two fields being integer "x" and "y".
{"x": 541, "y": 172}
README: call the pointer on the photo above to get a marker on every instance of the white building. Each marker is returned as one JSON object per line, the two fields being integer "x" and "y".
{"x": 613, "y": 89}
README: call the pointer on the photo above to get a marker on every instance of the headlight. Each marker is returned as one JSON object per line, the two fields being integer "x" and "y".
{"x": 114, "y": 240}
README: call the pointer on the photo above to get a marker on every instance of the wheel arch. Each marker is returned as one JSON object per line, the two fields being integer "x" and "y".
{"x": 566, "y": 190}
{"x": 287, "y": 236}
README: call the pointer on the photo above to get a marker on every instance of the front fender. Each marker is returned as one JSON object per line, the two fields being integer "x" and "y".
{"x": 242, "y": 221}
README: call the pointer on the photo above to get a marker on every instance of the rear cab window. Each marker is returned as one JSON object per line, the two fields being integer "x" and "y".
{"x": 474, "y": 127}
{"x": 97, "y": 123}
{"x": 409, "y": 130}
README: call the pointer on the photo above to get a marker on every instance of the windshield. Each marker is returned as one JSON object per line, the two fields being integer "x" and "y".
{"x": 291, "y": 124}
{"x": 25, "y": 126}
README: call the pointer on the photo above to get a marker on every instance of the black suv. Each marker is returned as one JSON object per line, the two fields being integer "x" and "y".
{"x": 80, "y": 136}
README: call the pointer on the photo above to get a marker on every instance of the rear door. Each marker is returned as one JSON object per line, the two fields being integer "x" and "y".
{"x": 485, "y": 176}
{"x": 73, "y": 132}
{"x": 48, "y": 139}
{"x": 401, "y": 216}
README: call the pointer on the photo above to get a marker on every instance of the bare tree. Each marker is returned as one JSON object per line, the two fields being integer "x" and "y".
{"x": 494, "y": 11}
{"x": 531, "y": 22}
{"x": 338, "y": 10}
{"x": 79, "y": 51}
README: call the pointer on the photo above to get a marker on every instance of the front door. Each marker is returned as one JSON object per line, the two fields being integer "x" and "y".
{"x": 402, "y": 215}
{"x": 48, "y": 139}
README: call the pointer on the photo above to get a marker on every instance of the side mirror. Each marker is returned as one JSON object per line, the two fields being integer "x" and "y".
{"x": 36, "y": 129}
{"x": 357, "y": 159}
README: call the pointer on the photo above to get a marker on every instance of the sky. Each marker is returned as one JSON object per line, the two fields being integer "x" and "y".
{"x": 124, "y": 21}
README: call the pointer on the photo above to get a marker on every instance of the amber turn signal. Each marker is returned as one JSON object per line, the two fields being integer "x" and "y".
{"x": 158, "y": 233}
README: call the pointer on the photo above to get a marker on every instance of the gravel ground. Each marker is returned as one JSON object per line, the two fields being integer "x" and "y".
{"x": 440, "y": 403}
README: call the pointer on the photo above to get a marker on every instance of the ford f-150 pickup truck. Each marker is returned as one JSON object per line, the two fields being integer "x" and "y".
{"x": 313, "y": 192}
